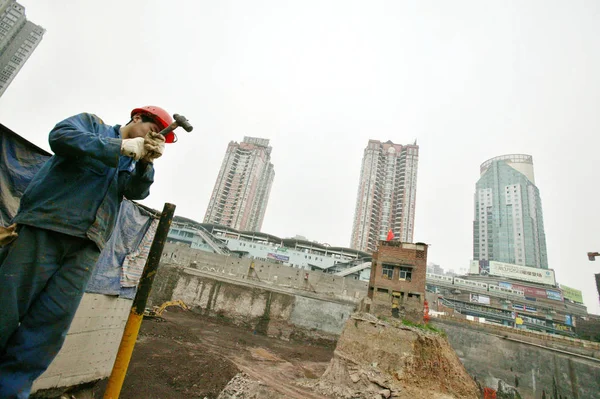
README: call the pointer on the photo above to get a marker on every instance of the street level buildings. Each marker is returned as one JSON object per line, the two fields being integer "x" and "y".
{"x": 241, "y": 193}
{"x": 18, "y": 39}
{"x": 386, "y": 194}
{"x": 508, "y": 225}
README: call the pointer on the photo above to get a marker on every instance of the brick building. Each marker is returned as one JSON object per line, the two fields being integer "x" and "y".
{"x": 398, "y": 279}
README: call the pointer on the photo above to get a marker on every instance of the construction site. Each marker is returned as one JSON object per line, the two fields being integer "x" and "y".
{"x": 241, "y": 328}
{"x": 105, "y": 295}
{"x": 239, "y": 340}
{"x": 220, "y": 323}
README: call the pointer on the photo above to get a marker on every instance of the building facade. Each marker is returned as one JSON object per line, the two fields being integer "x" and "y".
{"x": 508, "y": 224}
{"x": 512, "y": 299}
{"x": 397, "y": 281}
{"x": 18, "y": 39}
{"x": 386, "y": 194}
{"x": 294, "y": 252}
{"x": 241, "y": 193}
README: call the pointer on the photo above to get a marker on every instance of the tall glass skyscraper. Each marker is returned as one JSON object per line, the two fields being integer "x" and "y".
{"x": 508, "y": 225}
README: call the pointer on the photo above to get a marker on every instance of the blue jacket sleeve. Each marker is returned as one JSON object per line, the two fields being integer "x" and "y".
{"x": 78, "y": 136}
{"x": 136, "y": 185}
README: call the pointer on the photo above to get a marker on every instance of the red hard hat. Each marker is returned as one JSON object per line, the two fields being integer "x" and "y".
{"x": 160, "y": 116}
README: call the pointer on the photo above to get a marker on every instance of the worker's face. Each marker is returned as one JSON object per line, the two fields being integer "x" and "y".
{"x": 139, "y": 128}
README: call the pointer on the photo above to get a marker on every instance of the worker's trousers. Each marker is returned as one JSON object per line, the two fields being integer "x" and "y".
{"x": 43, "y": 275}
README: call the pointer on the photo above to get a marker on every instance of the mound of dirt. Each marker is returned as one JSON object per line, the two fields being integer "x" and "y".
{"x": 377, "y": 359}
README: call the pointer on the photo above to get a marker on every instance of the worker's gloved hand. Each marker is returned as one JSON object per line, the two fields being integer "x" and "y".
{"x": 133, "y": 148}
{"x": 154, "y": 144}
{"x": 8, "y": 234}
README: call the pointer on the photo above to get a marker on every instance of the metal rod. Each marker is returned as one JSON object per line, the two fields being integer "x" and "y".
{"x": 132, "y": 328}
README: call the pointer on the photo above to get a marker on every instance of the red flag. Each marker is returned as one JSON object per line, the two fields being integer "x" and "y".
{"x": 390, "y": 235}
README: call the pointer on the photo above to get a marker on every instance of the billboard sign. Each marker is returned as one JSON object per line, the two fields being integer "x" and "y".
{"x": 474, "y": 267}
{"x": 483, "y": 299}
{"x": 571, "y": 294}
{"x": 524, "y": 273}
{"x": 530, "y": 292}
{"x": 529, "y": 298}
{"x": 481, "y": 267}
{"x": 530, "y": 309}
{"x": 554, "y": 295}
{"x": 281, "y": 258}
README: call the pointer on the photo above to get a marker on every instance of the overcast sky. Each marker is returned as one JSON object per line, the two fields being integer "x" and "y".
{"x": 469, "y": 80}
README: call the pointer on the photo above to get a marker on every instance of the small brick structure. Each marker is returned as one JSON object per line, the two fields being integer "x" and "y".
{"x": 397, "y": 282}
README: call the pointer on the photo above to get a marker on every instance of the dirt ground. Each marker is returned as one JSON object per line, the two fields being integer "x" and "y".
{"x": 192, "y": 356}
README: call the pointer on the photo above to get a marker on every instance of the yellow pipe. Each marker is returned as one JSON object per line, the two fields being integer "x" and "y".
{"x": 134, "y": 321}
{"x": 117, "y": 376}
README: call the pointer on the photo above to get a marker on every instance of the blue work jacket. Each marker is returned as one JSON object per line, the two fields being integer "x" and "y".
{"x": 79, "y": 190}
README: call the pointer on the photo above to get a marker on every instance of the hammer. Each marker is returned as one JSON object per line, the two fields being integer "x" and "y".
{"x": 179, "y": 120}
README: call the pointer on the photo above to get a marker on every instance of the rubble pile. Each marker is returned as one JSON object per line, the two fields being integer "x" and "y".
{"x": 387, "y": 359}
{"x": 243, "y": 387}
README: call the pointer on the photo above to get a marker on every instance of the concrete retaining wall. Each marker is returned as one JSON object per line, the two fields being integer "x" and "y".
{"x": 345, "y": 288}
{"x": 535, "y": 371}
{"x": 272, "y": 310}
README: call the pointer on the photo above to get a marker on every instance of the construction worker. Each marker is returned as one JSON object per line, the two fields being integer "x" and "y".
{"x": 65, "y": 218}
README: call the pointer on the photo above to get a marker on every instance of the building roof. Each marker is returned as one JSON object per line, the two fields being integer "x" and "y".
{"x": 287, "y": 242}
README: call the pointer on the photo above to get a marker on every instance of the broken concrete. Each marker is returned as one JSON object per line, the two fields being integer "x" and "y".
{"x": 506, "y": 391}
{"x": 243, "y": 387}
{"x": 387, "y": 359}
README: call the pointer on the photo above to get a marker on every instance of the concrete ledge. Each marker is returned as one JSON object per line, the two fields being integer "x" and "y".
{"x": 576, "y": 346}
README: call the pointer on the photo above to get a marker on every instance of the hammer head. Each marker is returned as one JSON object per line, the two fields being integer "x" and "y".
{"x": 183, "y": 122}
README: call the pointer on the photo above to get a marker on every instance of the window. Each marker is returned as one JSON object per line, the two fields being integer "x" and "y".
{"x": 405, "y": 274}
{"x": 388, "y": 272}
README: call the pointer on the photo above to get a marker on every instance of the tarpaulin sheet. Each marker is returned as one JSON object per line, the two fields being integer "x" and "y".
{"x": 126, "y": 242}
{"x": 20, "y": 160}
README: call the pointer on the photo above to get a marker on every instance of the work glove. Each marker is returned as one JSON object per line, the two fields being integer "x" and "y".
{"x": 154, "y": 144}
{"x": 8, "y": 234}
{"x": 133, "y": 148}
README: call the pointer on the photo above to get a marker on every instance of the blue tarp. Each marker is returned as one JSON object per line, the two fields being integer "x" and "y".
{"x": 129, "y": 231}
{"x": 19, "y": 162}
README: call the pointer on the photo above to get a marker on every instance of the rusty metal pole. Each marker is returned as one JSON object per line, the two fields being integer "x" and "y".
{"x": 132, "y": 328}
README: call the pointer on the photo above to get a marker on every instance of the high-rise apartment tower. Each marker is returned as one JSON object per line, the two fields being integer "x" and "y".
{"x": 241, "y": 193}
{"x": 386, "y": 196}
{"x": 508, "y": 225}
{"x": 18, "y": 39}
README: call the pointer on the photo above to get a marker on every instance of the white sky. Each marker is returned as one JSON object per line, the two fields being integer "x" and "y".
{"x": 469, "y": 80}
